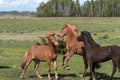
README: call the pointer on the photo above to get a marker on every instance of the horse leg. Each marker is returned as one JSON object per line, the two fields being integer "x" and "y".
{"x": 23, "y": 72}
{"x": 28, "y": 61}
{"x": 63, "y": 62}
{"x": 85, "y": 65}
{"x": 114, "y": 70}
{"x": 55, "y": 67}
{"x": 67, "y": 59}
{"x": 94, "y": 73}
{"x": 48, "y": 65}
{"x": 91, "y": 70}
{"x": 36, "y": 68}
{"x": 64, "y": 57}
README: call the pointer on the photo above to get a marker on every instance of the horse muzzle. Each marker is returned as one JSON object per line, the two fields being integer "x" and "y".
{"x": 79, "y": 38}
{"x": 59, "y": 35}
{"x": 56, "y": 44}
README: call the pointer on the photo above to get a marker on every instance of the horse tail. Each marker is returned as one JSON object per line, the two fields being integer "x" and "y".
{"x": 24, "y": 60}
{"x": 97, "y": 65}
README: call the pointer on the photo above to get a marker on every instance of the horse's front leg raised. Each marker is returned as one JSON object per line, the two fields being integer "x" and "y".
{"x": 68, "y": 56}
{"x": 63, "y": 65}
{"x": 64, "y": 57}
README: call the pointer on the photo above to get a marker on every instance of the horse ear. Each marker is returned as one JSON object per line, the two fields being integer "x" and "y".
{"x": 67, "y": 25}
{"x": 83, "y": 32}
{"x": 51, "y": 34}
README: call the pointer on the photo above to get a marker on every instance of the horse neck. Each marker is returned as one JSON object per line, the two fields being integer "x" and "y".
{"x": 71, "y": 36}
{"x": 51, "y": 46}
{"x": 90, "y": 42}
{"x": 86, "y": 43}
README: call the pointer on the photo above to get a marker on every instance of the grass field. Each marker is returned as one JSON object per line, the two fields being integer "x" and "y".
{"x": 17, "y": 35}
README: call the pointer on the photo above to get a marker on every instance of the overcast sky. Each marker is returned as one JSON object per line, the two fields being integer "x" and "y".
{"x": 22, "y": 5}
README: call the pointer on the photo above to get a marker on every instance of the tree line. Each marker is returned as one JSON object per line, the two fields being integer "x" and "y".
{"x": 22, "y": 13}
{"x": 72, "y": 8}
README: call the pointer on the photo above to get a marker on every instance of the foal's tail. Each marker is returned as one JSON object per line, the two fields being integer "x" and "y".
{"x": 24, "y": 60}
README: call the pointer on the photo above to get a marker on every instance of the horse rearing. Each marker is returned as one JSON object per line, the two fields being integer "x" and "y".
{"x": 73, "y": 46}
{"x": 45, "y": 53}
{"x": 96, "y": 54}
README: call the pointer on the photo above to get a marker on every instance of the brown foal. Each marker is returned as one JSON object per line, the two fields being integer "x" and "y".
{"x": 45, "y": 53}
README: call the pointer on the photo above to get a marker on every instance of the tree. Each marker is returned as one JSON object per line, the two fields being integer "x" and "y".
{"x": 93, "y": 8}
{"x": 59, "y": 8}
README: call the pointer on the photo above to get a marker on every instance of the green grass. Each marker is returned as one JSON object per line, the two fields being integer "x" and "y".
{"x": 17, "y": 35}
{"x": 48, "y": 24}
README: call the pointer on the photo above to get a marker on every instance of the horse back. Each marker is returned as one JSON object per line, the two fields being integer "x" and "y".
{"x": 98, "y": 54}
{"x": 42, "y": 53}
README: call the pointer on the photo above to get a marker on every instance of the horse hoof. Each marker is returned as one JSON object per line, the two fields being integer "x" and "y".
{"x": 50, "y": 78}
{"x": 21, "y": 77}
{"x": 110, "y": 79}
{"x": 57, "y": 78}
{"x": 68, "y": 68}
{"x": 81, "y": 75}
{"x": 40, "y": 77}
{"x": 63, "y": 67}
{"x": 90, "y": 79}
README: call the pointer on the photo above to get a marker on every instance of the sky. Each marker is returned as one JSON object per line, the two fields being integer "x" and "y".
{"x": 22, "y": 5}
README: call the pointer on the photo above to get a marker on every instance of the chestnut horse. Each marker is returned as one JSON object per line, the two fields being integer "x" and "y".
{"x": 45, "y": 53}
{"x": 73, "y": 46}
{"x": 96, "y": 54}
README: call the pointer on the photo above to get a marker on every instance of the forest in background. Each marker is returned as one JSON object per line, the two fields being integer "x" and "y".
{"x": 72, "y": 8}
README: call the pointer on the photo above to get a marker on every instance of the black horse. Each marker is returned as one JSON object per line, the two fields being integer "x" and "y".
{"x": 96, "y": 54}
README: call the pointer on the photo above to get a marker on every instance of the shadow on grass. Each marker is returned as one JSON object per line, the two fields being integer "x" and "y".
{"x": 53, "y": 75}
{"x": 3, "y": 67}
{"x": 102, "y": 76}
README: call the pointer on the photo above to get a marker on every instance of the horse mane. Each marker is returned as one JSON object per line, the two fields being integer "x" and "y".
{"x": 90, "y": 39}
{"x": 48, "y": 41}
{"x": 47, "y": 38}
{"x": 66, "y": 25}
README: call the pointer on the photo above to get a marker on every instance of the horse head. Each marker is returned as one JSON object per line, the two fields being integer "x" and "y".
{"x": 51, "y": 38}
{"x": 87, "y": 38}
{"x": 63, "y": 31}
{"x": 68, "y": 28}
{"x": 82, "y": 36}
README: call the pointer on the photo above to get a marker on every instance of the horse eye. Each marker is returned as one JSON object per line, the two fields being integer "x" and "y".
{"x": 76, "y": 30}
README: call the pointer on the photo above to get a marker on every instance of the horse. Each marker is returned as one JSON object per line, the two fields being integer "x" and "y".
{"x": 97, "y": 54}
{"x": 73, "y": 46}
{"x": 45, "y": 53}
